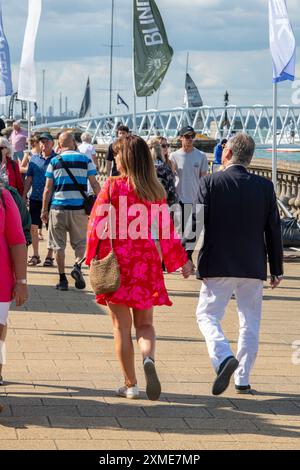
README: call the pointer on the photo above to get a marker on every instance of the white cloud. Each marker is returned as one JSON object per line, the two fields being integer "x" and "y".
{"x": 228, "y": 49}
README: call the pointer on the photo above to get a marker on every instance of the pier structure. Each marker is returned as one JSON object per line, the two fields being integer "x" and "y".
{"x": 256, "y": 120}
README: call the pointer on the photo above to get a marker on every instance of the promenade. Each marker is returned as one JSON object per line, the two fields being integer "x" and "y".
{"x": 62, "y": 373}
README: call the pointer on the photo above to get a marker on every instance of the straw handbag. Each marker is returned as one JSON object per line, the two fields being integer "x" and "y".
{"x": 105, "y": 273}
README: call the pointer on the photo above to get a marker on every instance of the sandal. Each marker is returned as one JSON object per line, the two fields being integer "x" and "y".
{"x": 49, "y": 262}
{"x": 34, "y": 260}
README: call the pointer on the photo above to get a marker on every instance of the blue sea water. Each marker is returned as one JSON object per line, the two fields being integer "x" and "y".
{"x": 293, "y": 157}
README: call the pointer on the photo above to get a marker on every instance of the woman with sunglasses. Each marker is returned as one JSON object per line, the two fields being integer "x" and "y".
{"x": 9, "y": 169}
{"x": 164, "y": 170}
{"x": 165, "y": 152}
{"x": 136, "y": 196}
{"x": 35, "y": 150}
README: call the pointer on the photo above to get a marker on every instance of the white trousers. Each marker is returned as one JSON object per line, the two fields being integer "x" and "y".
{"x": 214, "y": 296}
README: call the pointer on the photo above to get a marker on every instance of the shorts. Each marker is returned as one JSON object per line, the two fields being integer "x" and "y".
{"x": 35, "y": 209}
{"x": 4, "y": 308}
{"x": 62, "y": 222}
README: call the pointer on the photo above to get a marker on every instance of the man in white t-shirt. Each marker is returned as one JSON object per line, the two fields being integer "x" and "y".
{"x": 88, "y": 149}
{"x": 190, "y": 164}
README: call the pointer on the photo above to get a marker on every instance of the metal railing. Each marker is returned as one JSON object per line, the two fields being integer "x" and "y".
{"x": 215, "y": 122}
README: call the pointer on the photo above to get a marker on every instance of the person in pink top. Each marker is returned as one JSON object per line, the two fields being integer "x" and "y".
{"x": 18, "y": 140}
{"x": 13, "y": 255}
{"x": 138, "y": 201}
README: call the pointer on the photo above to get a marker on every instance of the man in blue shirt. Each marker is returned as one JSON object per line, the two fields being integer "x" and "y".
{"x": 218, "y": 154}
{"x": 36, "y": 179}
{"x": 67, "y": 213}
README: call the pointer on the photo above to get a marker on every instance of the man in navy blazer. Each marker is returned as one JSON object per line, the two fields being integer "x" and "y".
{"x": 241, "y": 231}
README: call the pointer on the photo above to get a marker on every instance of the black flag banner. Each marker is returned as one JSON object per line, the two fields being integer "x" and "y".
{"x": 121, "y": 101}
{"x": 152, "y": 52}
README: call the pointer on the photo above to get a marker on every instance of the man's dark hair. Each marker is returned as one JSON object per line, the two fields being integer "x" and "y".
{"x": 123, "y": 128}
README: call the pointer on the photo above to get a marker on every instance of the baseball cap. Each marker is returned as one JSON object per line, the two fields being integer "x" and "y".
{"x": 186, "y": 130}
{"x": 47, "y": 136}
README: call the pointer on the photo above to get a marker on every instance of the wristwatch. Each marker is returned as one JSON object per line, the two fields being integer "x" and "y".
{"x": 21, "y": 281}
{"x": 279, "y": 277}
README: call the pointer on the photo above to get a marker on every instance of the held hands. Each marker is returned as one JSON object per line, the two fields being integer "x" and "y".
{"x": 188, "y": 269}
{"x": 20, "y": 294}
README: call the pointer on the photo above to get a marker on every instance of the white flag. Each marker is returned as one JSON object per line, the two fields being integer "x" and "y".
{"x": 27, "y": 77}
{"x": 282, "y": 42}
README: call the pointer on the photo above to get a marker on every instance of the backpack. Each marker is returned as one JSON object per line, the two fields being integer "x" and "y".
{"x": 24, "y": 213}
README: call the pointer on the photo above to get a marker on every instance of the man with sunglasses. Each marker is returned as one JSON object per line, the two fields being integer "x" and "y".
{"x": 190, "y": 164}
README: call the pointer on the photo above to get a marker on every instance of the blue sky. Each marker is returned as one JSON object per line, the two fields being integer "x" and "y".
{"x": 227, "y": 41}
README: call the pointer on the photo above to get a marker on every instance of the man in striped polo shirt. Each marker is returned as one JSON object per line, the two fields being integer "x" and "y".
{"x": 67, "y": 213}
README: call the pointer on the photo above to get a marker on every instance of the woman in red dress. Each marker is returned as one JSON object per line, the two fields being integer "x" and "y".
{"x": 137, "y": 200}
{"x": 13, "y": 256}
{"x": 9, "y": 169}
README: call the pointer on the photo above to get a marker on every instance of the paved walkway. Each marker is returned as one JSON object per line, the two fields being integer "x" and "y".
{"x": 62, "y": 372}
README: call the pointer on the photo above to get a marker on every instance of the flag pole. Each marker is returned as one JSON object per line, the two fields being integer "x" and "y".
{"x": 134, "y": 127}
{"x": 111, "y": 55}
{"x": 29, "y": 125}
{"x": 274, "y": 149}
{"x": 43, "y": 98}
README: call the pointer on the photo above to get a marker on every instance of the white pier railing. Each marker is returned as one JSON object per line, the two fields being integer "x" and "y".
{"x": 215, "y": 122}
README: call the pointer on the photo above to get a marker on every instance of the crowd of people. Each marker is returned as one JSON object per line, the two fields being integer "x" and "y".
{"x": 146, "y": 187}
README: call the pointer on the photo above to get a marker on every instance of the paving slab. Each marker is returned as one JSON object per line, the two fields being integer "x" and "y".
{"x": 62, "y": 373}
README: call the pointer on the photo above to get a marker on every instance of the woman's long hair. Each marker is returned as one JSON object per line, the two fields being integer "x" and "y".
{"x": 138, "y": 166}
{"x": 155, "y": 149}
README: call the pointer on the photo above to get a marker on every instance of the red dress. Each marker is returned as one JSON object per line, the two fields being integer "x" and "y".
{"x": 142, "y": 280}
{"x": 14, "y": 175}
{"x": 11, "y": 234}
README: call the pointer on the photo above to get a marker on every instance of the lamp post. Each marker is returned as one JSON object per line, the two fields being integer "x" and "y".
{"x": 226, "y": 102}
{"x": 43, "y": 99}
{"x": 225, "y": 120}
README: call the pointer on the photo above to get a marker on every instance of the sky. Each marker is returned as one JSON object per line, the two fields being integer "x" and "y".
{"x": 227, "y": 41}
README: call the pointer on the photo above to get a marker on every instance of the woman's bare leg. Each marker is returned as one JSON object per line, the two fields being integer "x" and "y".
{"x": 35, "y": 239}
{"x": 3, "y": 333}
{"x": 122, "y": 323}
{"x": 145, "y": 333}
